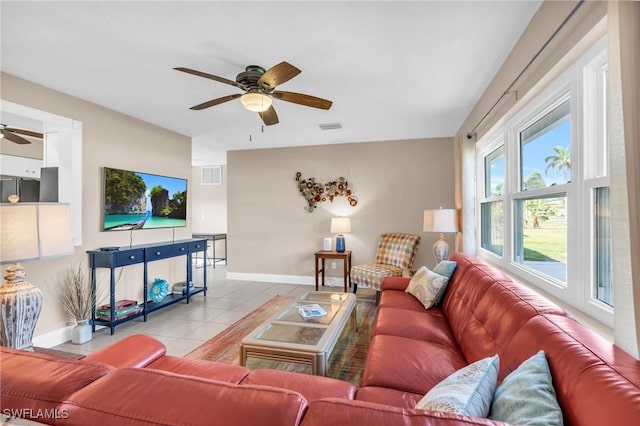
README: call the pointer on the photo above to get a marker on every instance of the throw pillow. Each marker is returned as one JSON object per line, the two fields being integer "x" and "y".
{"x": 526, "y": 396}
{"x": 468, "y": 391}
{"x": 444, "y": 268}
{"x": 426, "y": 285}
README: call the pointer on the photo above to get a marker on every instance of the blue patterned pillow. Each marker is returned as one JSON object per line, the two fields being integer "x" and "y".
{"x": 468, "y": 391}
{"x": 526, "y": 396}
{"x": 444, "y": 268}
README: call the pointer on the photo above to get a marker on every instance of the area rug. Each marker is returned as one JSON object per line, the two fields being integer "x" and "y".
{"x": 347, "y": 359}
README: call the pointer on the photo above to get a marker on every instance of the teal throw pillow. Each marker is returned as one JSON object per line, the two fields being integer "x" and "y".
{"x": 444, "y": 268}
{"x": 526, "y": 396}
{"x": 468, "y": 391}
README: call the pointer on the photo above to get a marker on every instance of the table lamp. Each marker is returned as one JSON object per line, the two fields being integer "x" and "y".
{"x": 340, "y": 225}
{"x": 28, "y": 231}
{"x": 440, "y": 220}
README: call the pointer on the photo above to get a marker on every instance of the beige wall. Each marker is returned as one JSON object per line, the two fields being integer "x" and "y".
{"x": 115, "y": 140}
{"x": 271, "y": 232}
{"x": 209, "y": 207}
{"x": 555, "y": 57}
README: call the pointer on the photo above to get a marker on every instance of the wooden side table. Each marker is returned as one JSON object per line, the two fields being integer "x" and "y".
{"x": 346, "y": 261}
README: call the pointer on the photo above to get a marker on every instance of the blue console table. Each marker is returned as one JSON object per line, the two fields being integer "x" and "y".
{"x": 144, "y": 254}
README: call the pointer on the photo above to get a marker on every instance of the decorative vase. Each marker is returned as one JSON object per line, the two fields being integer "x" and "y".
{"x": 81, "y": 333}
{"x": 20, "y": 306}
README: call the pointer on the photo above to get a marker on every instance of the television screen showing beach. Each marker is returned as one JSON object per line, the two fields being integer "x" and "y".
{"x": 134, "y": 200}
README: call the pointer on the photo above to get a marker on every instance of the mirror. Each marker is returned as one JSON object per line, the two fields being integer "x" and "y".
{"x": 61, "y": 147}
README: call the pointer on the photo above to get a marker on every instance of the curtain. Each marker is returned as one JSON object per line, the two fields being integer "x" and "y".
{"x": 623, "y": 104}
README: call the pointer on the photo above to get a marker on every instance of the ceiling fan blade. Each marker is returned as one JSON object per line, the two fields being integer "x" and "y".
{"x": 269, "y": 117}
{"x": 217, "y": 101}
{"x": 25, "y": 132}
{"x": 277, "y": 75}
{"x": 306, "y": 100}
{"x": 211, "y": 77}
{"x": 14, "y": 138}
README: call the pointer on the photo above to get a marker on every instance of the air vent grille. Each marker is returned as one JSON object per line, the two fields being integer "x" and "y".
{"x": 330, "y": 126}
{"x": 212, "y": 175}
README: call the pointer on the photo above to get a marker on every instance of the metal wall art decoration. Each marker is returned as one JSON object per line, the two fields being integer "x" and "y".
{"x": 315, "y": 192}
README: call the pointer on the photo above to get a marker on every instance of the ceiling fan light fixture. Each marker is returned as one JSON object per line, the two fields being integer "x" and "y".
{"x": 256, "y": 101}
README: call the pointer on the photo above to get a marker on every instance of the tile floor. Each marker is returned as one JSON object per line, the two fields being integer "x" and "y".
{"x": 183, "y": 327}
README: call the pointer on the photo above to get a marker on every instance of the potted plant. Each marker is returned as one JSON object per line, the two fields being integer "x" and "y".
{"x": 76, "y": 299}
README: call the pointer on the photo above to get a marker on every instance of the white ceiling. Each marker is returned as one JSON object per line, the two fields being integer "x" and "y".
{"x": 394, "y": 70}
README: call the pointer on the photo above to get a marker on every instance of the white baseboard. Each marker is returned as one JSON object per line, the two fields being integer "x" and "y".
{"x": 56, "y": 337}
{"x": 284, "y": 279}
{"x": 62, "y": 335}
{"x": 53, "y": 338}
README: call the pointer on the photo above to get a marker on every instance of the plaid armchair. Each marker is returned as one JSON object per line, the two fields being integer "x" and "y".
{"x": 396, "y": 253}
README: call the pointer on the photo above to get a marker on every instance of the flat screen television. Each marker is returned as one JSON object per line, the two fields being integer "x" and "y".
{"x": 135, "y": 200}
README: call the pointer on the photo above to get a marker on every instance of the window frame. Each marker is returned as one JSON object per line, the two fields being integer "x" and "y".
{"x": 583, "y": 84}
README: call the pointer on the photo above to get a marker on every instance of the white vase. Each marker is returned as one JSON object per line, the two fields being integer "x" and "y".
{"x": 81, "y": 333}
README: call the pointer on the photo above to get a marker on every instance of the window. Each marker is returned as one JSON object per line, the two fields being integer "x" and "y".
{"x": 492, "y": 209}
{"x": 541, "y": 235}
{"x": 543, "y": 190}
{"x": 545, "y": 150}
{"x": 494, "y": 173}
{"x": 492, "y": 238}
{"x": 602, "y": 246}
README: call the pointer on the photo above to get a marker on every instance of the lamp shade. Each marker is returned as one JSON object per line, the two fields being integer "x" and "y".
{"x": 340, "y": 225}
{"x": 440, "y": 220}
{"x": 256, "y": 101}
{"x": 34, "y": 231}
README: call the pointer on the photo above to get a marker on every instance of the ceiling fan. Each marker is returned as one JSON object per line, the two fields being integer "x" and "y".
{"x": 12, "y": 134}
{"x": 259, "y": 87}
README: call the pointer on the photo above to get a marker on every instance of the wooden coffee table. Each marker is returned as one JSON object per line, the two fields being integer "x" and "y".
{"x": 287, "y": 337}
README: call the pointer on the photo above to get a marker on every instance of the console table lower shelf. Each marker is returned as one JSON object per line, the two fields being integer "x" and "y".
{"x": 149, "y": 307}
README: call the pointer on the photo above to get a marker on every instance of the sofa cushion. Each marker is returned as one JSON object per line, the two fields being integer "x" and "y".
{"x": 485, "y": 309}
{"x": 33, "y": 382}
{"x": 312, "y": 387}
{"x": 201, "y": 368}
{"x": 595, "y": 382}
{"x": 399, "y": 299}
{"x": 429, "y": 326}
{"x": 408, "y": 365}
{"x": 526, "y": 396}
{"x": 137, "y": 396}
{"x": 427, "y": 286}
{"x": 469, "y": 391}
{"x": 343, "y": 412}
{"x": 388, "y": 396}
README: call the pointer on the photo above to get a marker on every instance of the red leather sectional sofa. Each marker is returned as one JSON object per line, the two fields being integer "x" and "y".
{"x": 483, "y": 313}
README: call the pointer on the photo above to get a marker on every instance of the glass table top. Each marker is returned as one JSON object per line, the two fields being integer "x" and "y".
{"x": 290, "y": 333}
{"x": 293, "y": 315}
{"x": 325, "y": 297}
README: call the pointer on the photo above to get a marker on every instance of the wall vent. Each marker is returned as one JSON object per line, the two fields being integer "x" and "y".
{"x": 330, "y": 126}
{"x": 211, "y": 175}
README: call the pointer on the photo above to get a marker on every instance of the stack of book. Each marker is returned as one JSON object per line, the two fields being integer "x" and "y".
{"x": 180, "y": 289}
{"x": 123, "y": 309}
